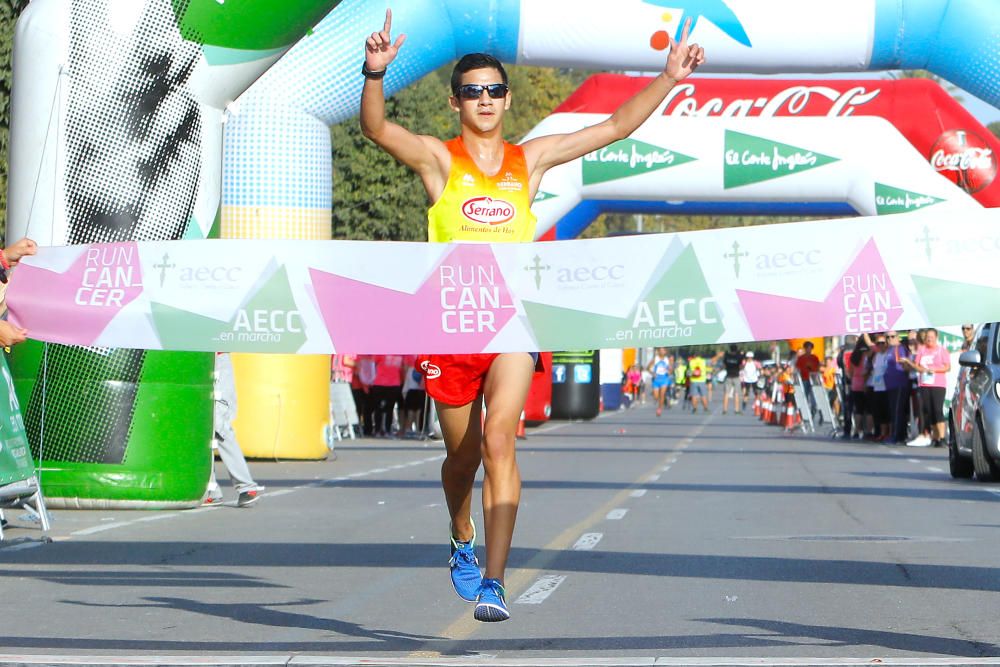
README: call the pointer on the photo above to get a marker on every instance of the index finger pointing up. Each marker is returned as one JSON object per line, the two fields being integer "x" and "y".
{"x": 388, "y": 20}
{"x": 687, "y": 29}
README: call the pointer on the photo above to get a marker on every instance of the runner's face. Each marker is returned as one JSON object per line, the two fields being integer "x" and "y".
{"x": 485, "y": 113}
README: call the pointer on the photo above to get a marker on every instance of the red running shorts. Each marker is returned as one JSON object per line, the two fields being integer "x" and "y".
{"x": 455, "y": 379}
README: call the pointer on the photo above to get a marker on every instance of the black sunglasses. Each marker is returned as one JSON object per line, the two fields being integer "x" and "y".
{"x": 473, "y": 91}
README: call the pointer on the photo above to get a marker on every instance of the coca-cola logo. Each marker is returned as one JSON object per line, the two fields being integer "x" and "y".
{"x": 965, "y": 159}
{"x": 488, "y": 211}
{"x": 792, "y": 101}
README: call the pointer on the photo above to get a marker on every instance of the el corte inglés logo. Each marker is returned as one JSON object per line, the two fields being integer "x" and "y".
{"x": 488, "y": 211}
{"x": 628, "y": 157}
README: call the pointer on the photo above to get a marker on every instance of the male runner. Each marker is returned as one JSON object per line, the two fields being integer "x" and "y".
{"x": 480, "y": 163}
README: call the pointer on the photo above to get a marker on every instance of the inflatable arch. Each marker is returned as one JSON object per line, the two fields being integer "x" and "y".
{"x": 940, "y": 129}
{"x": 862, "y": 161}
{"x": 121, "y": 124}
{"x": 277, "y": 176}
{"x": 115, "y": 136}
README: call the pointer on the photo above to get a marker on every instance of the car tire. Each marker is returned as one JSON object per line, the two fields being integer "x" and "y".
{"x": 986, "y": 468}
{"x": 959, "y": 466}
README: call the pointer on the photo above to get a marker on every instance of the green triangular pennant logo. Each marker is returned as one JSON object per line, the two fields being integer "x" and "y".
{"x": 678, "y": 308}
{"x": 541, "y": 195}
{"x": 628, "y": 157}
{"x": 750, "y": 159}
{"x": 268, "y": 322}
{"x": 890, "y": 200}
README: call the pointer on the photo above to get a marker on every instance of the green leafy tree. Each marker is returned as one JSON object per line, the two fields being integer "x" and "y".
{"x": 9, "y": 11}
{"x": 994, "y": 127}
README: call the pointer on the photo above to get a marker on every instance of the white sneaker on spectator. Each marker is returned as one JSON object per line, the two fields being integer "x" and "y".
{"x": 920, "y": 441}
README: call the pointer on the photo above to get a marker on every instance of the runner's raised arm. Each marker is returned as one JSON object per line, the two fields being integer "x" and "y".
{"x": 543, "y": 153}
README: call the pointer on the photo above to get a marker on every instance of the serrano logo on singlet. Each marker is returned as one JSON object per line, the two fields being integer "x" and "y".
{"x": 488, "y": 211}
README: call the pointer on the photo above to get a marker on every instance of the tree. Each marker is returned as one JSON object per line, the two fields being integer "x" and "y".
{"x": 994, "y": 127}
{"x": 9, "y": 11}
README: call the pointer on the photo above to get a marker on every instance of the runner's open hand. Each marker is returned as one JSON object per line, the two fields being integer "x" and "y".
{"x": 684, "y": 58}
{"x": 379, "y": 48}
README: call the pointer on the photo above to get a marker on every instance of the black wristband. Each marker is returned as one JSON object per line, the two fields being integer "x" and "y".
{"x": 368, "y": 74}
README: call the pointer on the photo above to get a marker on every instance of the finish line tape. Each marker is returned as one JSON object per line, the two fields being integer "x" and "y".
{"x": 932, "y": 267}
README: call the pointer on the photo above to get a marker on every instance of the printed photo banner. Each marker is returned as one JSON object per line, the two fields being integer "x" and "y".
{"x": 932, "y": 267}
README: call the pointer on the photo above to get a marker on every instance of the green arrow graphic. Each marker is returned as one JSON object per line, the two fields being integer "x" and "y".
{"x": 890, "y": 200}
{"x": 750, "y": 159}
{"x": 678, "y": 309}
{"x": 268, "y": 321}
{"x": 978, "y": 303}
{"x": 628, "y": 158}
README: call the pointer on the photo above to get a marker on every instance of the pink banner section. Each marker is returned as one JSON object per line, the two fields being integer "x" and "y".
{"x": 461, "y": 306}
{"x": 75, "y": 305}
{"x": 863, "y": 298}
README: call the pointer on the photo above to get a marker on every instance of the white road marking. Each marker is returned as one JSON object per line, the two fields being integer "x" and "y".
{"x": 933, "y": 469}
{"x": 914, "y": 460}
{"x": 615, "y": 515}
{"x": 654, "y": 478}
{"x": 587, "y": 541}
{"x": 638, "y": 493}
{"x": 541, "y": 589}
{"x": 212, "y": 508}
{"x": 22, "y": 546}
{"x": 665, "y": 469}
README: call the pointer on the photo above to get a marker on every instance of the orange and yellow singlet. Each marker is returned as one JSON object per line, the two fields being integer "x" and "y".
{"x": 477, "y": 207}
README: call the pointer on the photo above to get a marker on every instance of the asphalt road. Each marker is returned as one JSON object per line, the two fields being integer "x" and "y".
{"x": 684, "y": 538}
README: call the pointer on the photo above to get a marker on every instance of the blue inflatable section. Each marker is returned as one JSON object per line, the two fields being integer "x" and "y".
{"x": 956, "y": 39}
{"x": 577, "y": 220}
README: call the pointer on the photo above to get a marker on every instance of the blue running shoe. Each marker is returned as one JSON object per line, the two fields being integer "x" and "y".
{"x": 465, "y": 574}
{"x": 491, "y": 606}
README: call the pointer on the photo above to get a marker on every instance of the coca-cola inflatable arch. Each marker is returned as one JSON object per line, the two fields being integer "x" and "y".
{"x": 940, "y": 130}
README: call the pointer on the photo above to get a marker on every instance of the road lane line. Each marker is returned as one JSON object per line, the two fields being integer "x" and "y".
{"x": 914, "y": 460}
{"x": 587, "y": 541}
{"x": 211, "y": 508}
{"x": 541, "y": 589}
{"x": 616, "y": 514}
{"x": 638, "y": 493}
{"x": 464, "y": 626}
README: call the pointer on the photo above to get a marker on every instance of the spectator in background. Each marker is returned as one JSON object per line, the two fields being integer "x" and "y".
{"x": 856, "y": 372}
{"x": 633, "y": 383}
{"x": 681, "y": 380}
{"x": 897, "y": 382}
{"x": 750, "y": 375}
{"x": 247, "y": 490}
{"x": 880, "y": 394}
{"x": 732, "y": 360}
{"x": 362, "y": 379}
{"x": 829, "y": 376}
{"x": 914, "y": 339}
{"x": 412, "y": 422}
{"x": 807, "y": 363}
{"x": 697, "y": 381}
{"x": 968, "y": 331}
{"x": 386, "y": 391}
{"x": 932, "y": 362}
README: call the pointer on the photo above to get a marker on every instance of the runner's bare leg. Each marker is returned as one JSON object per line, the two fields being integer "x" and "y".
{"x": 463, "y": 437}
{"x": 505, "y": 390}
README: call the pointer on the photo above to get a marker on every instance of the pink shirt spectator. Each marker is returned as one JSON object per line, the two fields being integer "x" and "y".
{"x": 857, "y": 374}
{"x": 342, "y": 368}
{"x": 933, "y": 357}
{"x": 389, "y": 370}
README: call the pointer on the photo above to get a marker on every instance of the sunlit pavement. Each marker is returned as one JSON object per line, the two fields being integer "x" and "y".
{"x": 685, "y": 539}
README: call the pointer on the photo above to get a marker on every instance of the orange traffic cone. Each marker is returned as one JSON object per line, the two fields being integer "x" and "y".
{"x": 520, "y": 434}
{"x": 789, "y": 421}
{"x": 756, "y": 406}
